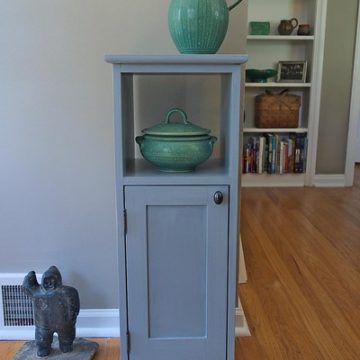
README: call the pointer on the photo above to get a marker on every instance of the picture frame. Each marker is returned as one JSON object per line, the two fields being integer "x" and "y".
{"x": 292, "y": 71}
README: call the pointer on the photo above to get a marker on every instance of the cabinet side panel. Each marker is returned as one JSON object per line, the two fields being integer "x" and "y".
{"x": 119, "y": 171}
{"x": 234, "y": 201}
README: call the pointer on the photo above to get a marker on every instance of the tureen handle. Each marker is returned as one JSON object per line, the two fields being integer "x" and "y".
{"x": 174, "y": 110}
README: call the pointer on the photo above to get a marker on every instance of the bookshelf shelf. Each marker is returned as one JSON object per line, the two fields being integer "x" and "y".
{"x": 277, "y": 85}
{"x": 284, "y": 180}
{"x": 281, "y": 37}
{"x": 265, "y": 52}
{"x": 273, "y": 130}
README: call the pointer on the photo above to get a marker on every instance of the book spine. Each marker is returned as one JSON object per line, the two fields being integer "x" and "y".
{"x": 286, "y": 156}
{"x": 261, "y": 155}
{"x": 270, "y": 153}
{"x": 292, "y": 153}
{"x": 274, "y": 155}
{"x": 282, "y": 158}
{"x": 305, "y": 153}
{"x": 299, "y": 153}
{"x": 278, "y": 154}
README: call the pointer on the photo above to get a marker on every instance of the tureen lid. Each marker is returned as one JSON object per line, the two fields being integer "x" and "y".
{"x": 184, "y": 128}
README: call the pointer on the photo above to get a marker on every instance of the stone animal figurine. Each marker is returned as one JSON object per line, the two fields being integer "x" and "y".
{"x": 56, "y": 308}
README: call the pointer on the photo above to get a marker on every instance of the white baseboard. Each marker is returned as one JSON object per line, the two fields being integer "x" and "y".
{"x": 90, "y": 323}
{"x": 101, "y": 323}
{"x": 98, "y": 323}
{"x": 275, "y": 180}
{"x": 331, "y": 180}
{"x": 241, "y": 325}
{"x": 242, "y": 274}
{"x": 16, "y": 333}
{"x": 291, "y": 180}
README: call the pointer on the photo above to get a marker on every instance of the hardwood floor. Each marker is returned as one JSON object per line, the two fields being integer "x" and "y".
{"x": 302, "y": 252}
{"x": 302, "y": 298}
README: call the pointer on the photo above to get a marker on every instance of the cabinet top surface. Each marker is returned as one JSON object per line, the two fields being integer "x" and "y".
{"x": 223, "y": 59}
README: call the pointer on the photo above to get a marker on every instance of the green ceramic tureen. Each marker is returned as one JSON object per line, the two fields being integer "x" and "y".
{"x": 176, "y": 147}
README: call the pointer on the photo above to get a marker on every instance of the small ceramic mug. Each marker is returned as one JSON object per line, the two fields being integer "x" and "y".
{"x": 304, "y": 29}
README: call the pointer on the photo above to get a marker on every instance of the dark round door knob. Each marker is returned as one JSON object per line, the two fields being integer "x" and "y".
{"x": 218, "y": 197}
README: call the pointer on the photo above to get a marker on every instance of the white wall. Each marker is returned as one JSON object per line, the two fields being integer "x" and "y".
{"x": 56, "y": 134}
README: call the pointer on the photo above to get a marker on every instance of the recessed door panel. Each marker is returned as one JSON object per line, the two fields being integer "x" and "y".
{"x": 177, "y": 241}
{"x": 176, "y": 244}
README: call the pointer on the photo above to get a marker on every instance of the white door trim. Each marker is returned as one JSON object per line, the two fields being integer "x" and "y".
{"x": 315, "y": 98}
{"x": 354, "y": 111}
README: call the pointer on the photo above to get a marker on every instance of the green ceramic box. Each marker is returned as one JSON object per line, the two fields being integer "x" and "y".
{"x": 259, "y": 27}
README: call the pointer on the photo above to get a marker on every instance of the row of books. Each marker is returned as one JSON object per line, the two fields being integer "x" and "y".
{"x": 275, "y": 153}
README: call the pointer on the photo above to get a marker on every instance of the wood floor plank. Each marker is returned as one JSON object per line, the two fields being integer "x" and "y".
{"x": 249, "y": 348}
{"x": 108, "y": 349}
{"x": 311, "y": 239}
{"x": 308, "y": 314}
{"x": 320, "y": 255}
{"x": 9, "y": 348}
{"x": 334, "y": 224}
{"x": 319, "y": 285}
{"x": 267, "y": 332}
{"x": 275, "y": 303}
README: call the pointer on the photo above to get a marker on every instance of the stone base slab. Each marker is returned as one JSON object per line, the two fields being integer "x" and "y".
{"x": 82, "y": 350}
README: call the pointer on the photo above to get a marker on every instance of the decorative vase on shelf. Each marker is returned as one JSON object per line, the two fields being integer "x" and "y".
{"x": 199, "y": 26}
{"x": 286, "y": 27}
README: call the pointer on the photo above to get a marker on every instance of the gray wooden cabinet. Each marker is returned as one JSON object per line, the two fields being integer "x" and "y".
{"x": 177, "y": 245}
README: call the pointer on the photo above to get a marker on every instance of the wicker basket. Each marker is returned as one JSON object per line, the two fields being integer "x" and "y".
{"x": 277, "y": 110}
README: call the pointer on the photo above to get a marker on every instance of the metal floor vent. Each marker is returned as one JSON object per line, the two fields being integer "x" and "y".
{"x": 16, "y": 309}
{"x": 17, "y": 306}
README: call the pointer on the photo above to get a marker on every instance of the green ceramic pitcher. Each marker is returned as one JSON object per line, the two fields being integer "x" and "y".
{"x": 199, "y": 26}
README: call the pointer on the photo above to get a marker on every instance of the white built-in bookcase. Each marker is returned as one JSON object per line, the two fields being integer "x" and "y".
{"x": 265, "y": 52}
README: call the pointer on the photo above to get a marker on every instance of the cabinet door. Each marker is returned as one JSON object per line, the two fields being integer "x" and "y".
{"x": 177, "y": 243}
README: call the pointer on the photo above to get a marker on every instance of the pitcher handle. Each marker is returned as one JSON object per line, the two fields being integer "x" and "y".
{"x": 235, "y": 4}
{"x": 296, "y": 22}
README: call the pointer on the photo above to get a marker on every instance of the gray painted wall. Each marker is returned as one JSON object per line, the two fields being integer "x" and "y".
{"x": 56, "y": 134}
{"x": 336, "y": 89}
{"x": 57, "y": 186}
